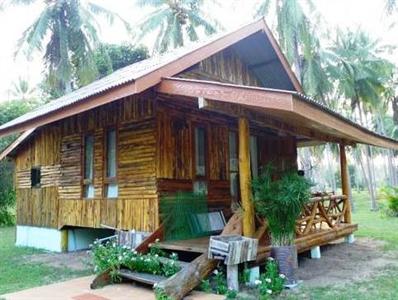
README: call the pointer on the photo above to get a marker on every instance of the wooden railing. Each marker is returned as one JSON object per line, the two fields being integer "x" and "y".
{"x": 322, "y": 212}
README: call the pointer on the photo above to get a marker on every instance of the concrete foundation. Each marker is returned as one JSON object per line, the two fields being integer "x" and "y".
{"x": 316, "y": 252}
{"x": 51, "y": 239}
{"x": 349, "y": 239}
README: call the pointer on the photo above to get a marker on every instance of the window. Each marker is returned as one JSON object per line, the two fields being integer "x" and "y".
{"x": 253, "y": 156}
{"x": 200, "y": 185}
{"x": 35, "y": 177}
{"x": 111, "y": 187}
{"x": 200, "y": 151}
{"x": 233, "y": 164}
{"x": 88, "y": 172}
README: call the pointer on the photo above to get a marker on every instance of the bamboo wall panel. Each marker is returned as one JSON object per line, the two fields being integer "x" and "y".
{"x": 39, "y": 206}
{"x": 224, "y": 66}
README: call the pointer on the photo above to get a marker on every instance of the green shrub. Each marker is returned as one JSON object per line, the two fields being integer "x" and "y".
{"x": 271, "y": 283}
{"x": 112, "y": 257}
{"x": 391, "y": 195}
{"x": 7, "y": 216}
{"x": 281, "y": 202}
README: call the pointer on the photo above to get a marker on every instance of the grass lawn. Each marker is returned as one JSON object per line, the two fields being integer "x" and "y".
{"x": 382, "y": 286}
{"x": 17, "y": 273}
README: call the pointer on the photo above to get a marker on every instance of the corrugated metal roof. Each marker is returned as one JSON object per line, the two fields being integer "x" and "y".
{"x": 120, "y": 77}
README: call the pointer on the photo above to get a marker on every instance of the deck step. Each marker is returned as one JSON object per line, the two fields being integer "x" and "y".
{"x": 144, "y": 278}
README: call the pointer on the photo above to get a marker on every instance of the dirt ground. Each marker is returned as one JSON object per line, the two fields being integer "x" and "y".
{"x": 76, "y": 261}
{"x": 342, "y": 263}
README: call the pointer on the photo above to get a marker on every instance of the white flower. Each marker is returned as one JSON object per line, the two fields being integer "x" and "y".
{"x": 120, "y": 258}
{"x": 282, "y": 276}
{"x": 155, "y": 285}
{"x": 268, "y": 280}
{"x": 157, "y": 241}
{"x": 270, "y": 258}
{"x": 156, "y": 255}
{"x": 269, "y": 292}
{"x": 215, "y": 272}
{"x": 257, "y": 282}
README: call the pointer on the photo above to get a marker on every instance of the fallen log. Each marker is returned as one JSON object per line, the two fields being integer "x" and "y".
{"x": 183, "y": 282}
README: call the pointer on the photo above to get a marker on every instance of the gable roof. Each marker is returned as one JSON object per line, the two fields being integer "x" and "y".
{"x": 142, "y": 75}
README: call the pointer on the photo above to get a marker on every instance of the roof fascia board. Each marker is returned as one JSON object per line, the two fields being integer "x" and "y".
{"x": 360, "y": 135}
{"x": 242, "y": 95}
{"x": 16, "y": 143}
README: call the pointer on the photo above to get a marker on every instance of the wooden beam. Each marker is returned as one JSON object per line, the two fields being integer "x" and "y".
{"x": 245, "y": 178}
{"x": 345, "y": 183}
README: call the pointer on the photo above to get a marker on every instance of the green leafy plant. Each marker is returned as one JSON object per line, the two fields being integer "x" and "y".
{"x": 111, "y": 257}
{"x": 391, "y": 195}
{"x": 205, "y": 286}
{"x": 281, "y": 202}
{"x": 244, "y": 275}
{"x": 161, "y": 295}
{"x": 220, "y": 283}
{"x": 231, "y": 294}
{"x": 271, "y": 282}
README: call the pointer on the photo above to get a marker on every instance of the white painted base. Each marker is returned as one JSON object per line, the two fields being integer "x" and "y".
{"x": 51, "y": 239}
{"x": 254, "y": 275}
{"x": 316, "y": 252}
{"x": 37, "y": 237}
{"x": 81, "y": 238}
{"x": 350, "y": 239}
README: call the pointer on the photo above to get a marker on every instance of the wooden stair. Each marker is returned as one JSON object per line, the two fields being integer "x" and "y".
{"x": 144, "y": 278}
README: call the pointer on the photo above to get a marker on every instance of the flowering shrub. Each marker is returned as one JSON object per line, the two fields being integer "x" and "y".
{"x": 112, "y": 257}
{"x": 270, "y": 282}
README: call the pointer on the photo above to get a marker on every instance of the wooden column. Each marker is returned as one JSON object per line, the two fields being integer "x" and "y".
{"x": 245, "y": 178}
{"x": 345, "y": 183}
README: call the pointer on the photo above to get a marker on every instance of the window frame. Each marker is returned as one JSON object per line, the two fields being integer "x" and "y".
{"x": 37, "y": 185}
{"x": 84, "y": 181}
{"x": 236, "y": 172}
{"x": 106, "y": 181}
{"x": 195, "y": 177}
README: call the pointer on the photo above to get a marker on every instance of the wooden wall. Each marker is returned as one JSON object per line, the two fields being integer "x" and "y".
{"x": 224, "y": 66}
{"x": 176, "y": 120}
{"x": 58, "y": 150}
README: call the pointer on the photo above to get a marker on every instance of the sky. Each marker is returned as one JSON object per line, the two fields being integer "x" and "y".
{"x": 367, "y": 14}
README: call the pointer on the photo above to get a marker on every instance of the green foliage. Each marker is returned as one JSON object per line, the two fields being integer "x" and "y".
{"x": 161, "y": 294}
{"x": 271, "y": 282}
{"x": 281, "y": 201}
{"x": 244, "y": 275}
{"x": 179, "y": 214}
{"x": 109, "y": 57}
{"x": 10, "y": 110}
{"x": 205, "y": 286}
{"x": 111, "y": 257}
{"x": 231, "y": 294}
{"x": 174, "y": 21}
{"x": 220, "y": 280}
{"x": 65, "y": 32}
{"x": 391, "y": 195}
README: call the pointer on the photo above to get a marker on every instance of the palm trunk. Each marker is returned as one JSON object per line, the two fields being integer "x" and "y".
{"x": 367, "y": 154}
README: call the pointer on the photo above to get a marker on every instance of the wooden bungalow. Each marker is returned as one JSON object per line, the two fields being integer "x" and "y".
{"x": 204, "y": 117}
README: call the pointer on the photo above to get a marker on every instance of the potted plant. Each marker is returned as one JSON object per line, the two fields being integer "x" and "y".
{"x": 281, "y": 202}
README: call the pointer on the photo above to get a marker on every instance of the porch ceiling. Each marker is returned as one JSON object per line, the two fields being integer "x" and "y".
{"x": 303, "y": 116}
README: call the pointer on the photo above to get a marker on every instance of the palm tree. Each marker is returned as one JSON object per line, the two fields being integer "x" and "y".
{"x": 21, "y": 89}
{"x": 361, "y": 77}
{"x": 69, "y": 30}
{"x": 175, "y": 21}
{"x": 293, "y": 28}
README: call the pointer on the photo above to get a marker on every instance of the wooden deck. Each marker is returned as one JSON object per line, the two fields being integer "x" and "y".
{"x": 303, "y": 243}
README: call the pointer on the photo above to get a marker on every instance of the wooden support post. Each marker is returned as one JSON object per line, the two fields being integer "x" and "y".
{"x": 245, "y": 177}
{"x": 232, "y": 277}
{"x": 345, "y": 184}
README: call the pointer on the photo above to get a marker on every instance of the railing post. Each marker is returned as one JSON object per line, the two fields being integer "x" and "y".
{"x": 245, "y": 177}
{"x": 345, "y": 183}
